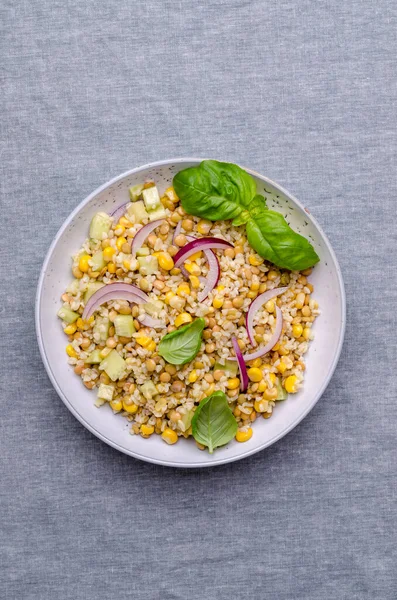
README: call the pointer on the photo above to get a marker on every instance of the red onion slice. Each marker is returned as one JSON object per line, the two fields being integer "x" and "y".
{"x": 143, "y": 233}
{"x": 119, "y": 211}
{"x": 198, "y": 244}
{"x": 149, "y": 321}
{"x": 213, "y": 275}
{"x": 114, "y": 291}
{"x": 255, "y": 306}
{"x": 214, "y": 272}
{"x": 177, "y": 231}
{"x": 273, "y": 341}
{"x": 241, "y": 365}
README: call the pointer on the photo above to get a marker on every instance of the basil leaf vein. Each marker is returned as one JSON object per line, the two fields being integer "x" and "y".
{"x": 213, "y": 423}
{"x": 182, "y": 345}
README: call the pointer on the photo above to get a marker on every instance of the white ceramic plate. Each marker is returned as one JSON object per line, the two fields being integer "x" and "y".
{"x": 321, "y": 358}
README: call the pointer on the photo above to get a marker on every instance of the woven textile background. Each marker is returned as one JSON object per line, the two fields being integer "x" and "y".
{"x": 303, "y": 91}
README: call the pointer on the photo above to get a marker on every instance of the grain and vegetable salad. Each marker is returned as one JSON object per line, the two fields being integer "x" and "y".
{"x": 191, "y": 310}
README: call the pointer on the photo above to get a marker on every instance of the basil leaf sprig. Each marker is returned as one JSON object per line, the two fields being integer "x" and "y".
{"x": 182, "y": 345}
{"x": 213, "y": 423}
{"x": 218, "y": 191}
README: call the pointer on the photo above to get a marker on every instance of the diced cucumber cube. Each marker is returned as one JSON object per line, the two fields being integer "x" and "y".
{"x": 106, "y": 392}
{"x": 148, "y": 389}
{"x": 148, "y": 265}
{"x": 230, "y": 367}
{"x": 154, "y": 307}
{"x": 187, "y": 419}
{"x": 135, "y": 191}
{"x": 144, "y": 251}
{"x": 100, "y": 224}
{"x": 67, "y": 315}
{"x": 282, "y": 394}
{"x": 91, "y": 289}
{"x": 158, "y": 213}
{"x": 97, "y": 261}
{"x": 151, "y": 198}
{"x": 94, "y": 358}
{"x": 113, "y": 365}
{"x": 124, "y": 325}
{"x": 101, "y": 327}
{"x": 137, "y": 212}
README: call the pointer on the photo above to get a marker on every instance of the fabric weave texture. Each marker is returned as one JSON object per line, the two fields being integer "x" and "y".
{"x": 303, "y": 92}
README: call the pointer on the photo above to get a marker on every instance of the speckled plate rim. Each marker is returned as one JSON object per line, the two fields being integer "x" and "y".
{"x": 169, "y": 463}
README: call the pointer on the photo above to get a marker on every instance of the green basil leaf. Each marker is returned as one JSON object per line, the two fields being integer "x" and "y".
{"x": 182, "y": 345}
{"x": 273, "y": 239}
{"x": 214, "y": 190}
{"x": 213, "y": 423}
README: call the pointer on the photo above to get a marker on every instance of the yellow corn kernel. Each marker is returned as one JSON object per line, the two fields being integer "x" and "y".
{"x": 217, "y": 302}
{"x": 151, "y": 346}
{"x": 111, "y": 268}
{"x": 147, "y": 430}
{"x": 123, "y": 222}
{"x": 251, "y": 294}
{"x": 262, "y": 386}
{"x": 83, "y": 263}
{"x": 261, "y": 406}
{"x": 130, "y": 408}
{"x": 233, "y": 383}
{"x": 170, "y": 192}
{"x": 194, "y": 281}
{"x": 182, "y": 319}
{"x": 204, "y": 227}
{"x": 103, "y": 353}
{"x": 273, "y": 378}
{"x": 70, "y": 351}
{"x": 183, "y": 289}
{"x": 198, "y": 364}
{"x": 307, "y": 333}
{"x": 126, "y": 264}
{"x": 297, "y": 330}
{"x": 300, "y": 300}
{"x": 283, "y": 350}
{"x": 108, "y": 253}
{"x": 120, "y": 241}
{"x": 209, "y": 391}
{"x": 270, "y": 394}
{"x": 272, "y": 275}
{"x": 193, "y": 269}
{"x": 266, "y": 365}
{"x": 220, "y": 288}
{"x": 165, "y": 261}
{"x": 290, "y": 384}
{"x": 168, "y": 297}
{"x": 269, "y": 306}
{"x": 116, "y": 405}
{"x": 195, "y": 256}
{"x": 80, "y": 323}
{"x": 120, "y": 229}
{"x": 169, "y": 436}
{"x": 70, "y": 329}
{"x": 192, "y": 377}
{"x": 276, "y": 347}
{"x": 256, "y": 363}
{"x": 281, "y": 367}
{"x": 255, "y": 286}
{"x": 244, "y": 436}
{"x": 143, "y": 340}
{"x": 255, "y": 260}
{"x": 255, "y": 374}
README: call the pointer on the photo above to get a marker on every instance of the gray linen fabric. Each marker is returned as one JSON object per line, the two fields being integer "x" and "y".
{"x": 303, "y": 91}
